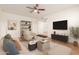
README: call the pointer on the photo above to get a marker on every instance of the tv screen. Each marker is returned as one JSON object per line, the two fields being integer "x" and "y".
{"x": 60, "y": 25}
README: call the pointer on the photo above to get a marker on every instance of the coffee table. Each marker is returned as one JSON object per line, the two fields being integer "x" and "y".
{"x": 32, "y": 45}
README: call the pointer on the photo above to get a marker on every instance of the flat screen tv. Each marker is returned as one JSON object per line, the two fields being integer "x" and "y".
{"x": 60, "y": 25}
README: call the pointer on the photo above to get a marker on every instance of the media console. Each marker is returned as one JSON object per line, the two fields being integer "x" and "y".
{"x": 62, "y": 38}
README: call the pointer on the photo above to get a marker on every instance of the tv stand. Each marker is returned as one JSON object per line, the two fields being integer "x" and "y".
{"x": 62, "y": 38}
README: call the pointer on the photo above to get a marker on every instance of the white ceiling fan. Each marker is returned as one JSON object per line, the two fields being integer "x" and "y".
{"x": 36, "y": 9}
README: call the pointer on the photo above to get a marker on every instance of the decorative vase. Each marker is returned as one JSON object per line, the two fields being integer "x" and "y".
{"x": 75, "y": 43}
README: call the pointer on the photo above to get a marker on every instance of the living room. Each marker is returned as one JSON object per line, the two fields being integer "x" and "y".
{"x": 41, "y": 25}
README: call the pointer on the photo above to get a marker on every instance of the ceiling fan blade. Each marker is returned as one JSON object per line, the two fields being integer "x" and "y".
{"x": 32, "y": 11}
{"x": 30, "y": 7}
{"x": 36, "y": 5}
{"x": 41, "y": 9}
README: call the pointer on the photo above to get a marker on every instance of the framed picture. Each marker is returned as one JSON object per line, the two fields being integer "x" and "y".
{"x": 12, "y": 25}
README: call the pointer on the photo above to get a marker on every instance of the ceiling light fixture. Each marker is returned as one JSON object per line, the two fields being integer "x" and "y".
{"x": 35, "y": 10}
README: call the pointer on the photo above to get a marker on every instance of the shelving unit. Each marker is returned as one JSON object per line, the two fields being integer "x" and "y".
{"x": 25, "y": 25}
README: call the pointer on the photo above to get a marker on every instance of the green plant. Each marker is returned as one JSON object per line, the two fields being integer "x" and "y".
{"x": 74, "y": 32}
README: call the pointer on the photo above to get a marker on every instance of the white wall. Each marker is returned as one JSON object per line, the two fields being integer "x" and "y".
{"x": 40, "y": 27}
{"x": 71, "y": 14}
{"x": 4, "y": 17}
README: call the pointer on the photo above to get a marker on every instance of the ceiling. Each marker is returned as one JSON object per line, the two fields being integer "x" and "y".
{"x": 21, "y": 9}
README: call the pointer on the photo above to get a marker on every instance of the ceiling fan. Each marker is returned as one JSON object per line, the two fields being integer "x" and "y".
{"x": 36, "y": 9}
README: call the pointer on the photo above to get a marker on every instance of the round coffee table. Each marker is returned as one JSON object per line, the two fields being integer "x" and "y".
{"x": 32, "y": 45}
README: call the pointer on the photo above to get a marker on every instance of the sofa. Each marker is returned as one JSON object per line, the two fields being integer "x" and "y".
{"x": 16, "y": 48}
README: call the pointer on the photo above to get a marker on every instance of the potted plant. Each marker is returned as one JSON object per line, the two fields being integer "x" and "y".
{"x": 74, "y": 32}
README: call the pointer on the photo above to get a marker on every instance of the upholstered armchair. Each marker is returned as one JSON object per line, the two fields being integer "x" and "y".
{"x": 9, "y": 45}
{"x": 27, "y": 35}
